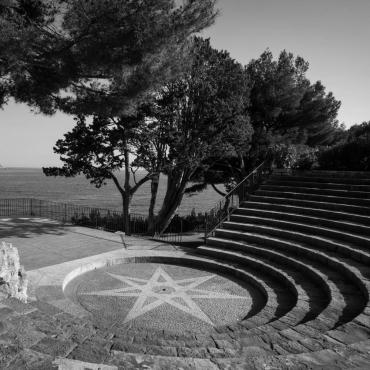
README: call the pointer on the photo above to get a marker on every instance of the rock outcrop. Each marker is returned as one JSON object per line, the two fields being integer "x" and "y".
{"x": 13, "y": 278}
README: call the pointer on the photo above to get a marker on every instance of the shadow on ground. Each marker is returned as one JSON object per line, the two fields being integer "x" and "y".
{"x": 28, "y": 227}
{"x": 189, "y": 240}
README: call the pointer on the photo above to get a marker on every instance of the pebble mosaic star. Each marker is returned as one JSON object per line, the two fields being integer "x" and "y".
{"x": 160, "y": 289}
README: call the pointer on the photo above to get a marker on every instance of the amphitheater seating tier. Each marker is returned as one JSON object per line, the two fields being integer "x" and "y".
{"x": 305, "y": 236}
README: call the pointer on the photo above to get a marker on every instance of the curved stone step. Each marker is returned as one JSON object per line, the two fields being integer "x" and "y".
{"x": 335, "y": 233}
{"x": 350, "y": 227}
{"x": 324, "y": 179}
{"x": 298, "y": 312}
{"x": 310, "y": 279}
{"x": 318, "y": 191}
{"x": 278, "y": 300}
{"x": 308, "y": 210}
{"x": 329, "y": 174}
{"x": 337, "y": 308}
{"x": 343, "y": 304}
{"x": 357, "y": 210}
{"x": 320, "y": 185}
{"x": 332, "y": 315}
{"x": 355, "y": 272}
{"x": 306, "y": 234}
{"x": 315, "y": 197}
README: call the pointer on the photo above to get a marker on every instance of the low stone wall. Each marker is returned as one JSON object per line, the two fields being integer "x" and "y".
{"x": 13, "y": 278}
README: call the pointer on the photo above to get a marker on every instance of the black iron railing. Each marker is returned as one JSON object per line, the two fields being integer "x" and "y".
{"x": 97, "y": 218}
{"x": 222, "y": 212}
{"x": 173, "y": 232}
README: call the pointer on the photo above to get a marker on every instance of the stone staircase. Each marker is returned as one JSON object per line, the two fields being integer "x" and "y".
{"x": 305, "y": 237}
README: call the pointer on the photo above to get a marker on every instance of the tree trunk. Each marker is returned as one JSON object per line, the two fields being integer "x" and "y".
{"x": 126, "y": 201}
{"x": 154, "y": 192}
{"x": 127, "y": 195}
{"x": 176, "y": 185}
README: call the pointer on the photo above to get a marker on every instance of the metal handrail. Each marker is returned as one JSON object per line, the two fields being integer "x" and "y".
{"x": 230, "y": 193}
{"x": 240, "y": 193}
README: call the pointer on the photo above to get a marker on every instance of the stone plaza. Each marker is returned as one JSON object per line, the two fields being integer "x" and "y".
{"x": 283, "y": 284}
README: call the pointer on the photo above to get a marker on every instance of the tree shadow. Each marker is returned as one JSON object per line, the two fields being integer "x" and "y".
{"x": 28, "y": 227}
{"x": 186, "y": 241}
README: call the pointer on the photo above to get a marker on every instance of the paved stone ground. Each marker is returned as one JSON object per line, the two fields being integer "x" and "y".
{"x": 52, "y": 332}
{"x": 161, "y": 297}
{"x": 42, "y": 242}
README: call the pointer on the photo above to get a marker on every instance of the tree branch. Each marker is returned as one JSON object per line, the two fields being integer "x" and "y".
{"x": 134, "y": 175}
{"x": 217, "y": 190}
{"x": 141, "y": 182}
{"x": 119, "y": 187}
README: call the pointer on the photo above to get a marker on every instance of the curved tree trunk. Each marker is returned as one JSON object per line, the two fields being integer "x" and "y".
{"x": 176, "y": 185}
{"x": 154, "y": 192}
{"x": 126, "y": 202}
{"x": 127, "y": 195}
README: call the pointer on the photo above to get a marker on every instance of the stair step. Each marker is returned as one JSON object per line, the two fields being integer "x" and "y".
{"x": 331, "y": 214}
{"x": 337, "y": 271}
{"x": 357, "y": 272}
{"x": 319, "y": 185}
{"x": 278, "y": 299}
{"x": 318, "y": 191}
{"x": 313, "y": 279}
{"x": 324, "y": 179}
{"x": 256, "y": 265}
{"x": 287, "y": 231}
{"x": 344, "y": 208}
{"x": 350, "y": 227}
{"x": 299, "y": 309}
{"x": 315, "y": 197}
{"x": 305, "y": 227}
{"x": 326, "y": 296}
{"x": 329, "y": 174}
{"x": 311, "y": 231}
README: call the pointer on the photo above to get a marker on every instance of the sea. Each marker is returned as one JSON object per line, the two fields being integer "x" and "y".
{"x": 32, "y": 183}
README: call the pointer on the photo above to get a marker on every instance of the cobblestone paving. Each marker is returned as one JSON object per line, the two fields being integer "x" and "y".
{"x": 162, "y": 297}
{"x": 37, "y": 334}
{"x": 42, "y": 335}
{"x": 34, "y": 335}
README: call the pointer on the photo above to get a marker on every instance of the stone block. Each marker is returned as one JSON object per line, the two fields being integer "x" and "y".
{"x": 13, "y": 278}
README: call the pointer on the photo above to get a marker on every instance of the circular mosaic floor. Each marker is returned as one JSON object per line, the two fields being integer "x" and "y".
{"x": 161, "y": 296}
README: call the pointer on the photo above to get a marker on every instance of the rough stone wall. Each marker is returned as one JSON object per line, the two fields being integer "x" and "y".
{"x": 13, "y": 278}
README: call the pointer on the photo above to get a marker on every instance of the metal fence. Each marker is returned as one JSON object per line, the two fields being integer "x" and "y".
{"x": 98, "y": 218}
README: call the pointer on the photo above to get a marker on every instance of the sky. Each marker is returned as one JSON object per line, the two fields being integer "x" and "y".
{"x": 332, "y": 35}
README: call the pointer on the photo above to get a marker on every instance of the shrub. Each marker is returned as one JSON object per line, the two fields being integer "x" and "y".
{"x": 307, "y": 158}
{"x": 352, "y": 156}
{"x": 285, "y": 155}
{"x": 299, "y": 157}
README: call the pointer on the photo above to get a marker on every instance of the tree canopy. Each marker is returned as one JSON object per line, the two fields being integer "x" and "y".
{"x": 196, "y": 117}
{"x": 284, "y": 107}
{"x": 93, "y": 56}
{"x": 99, "y": 148}
{"x": 283, "y": 99}
{"x": 204, "y": 115}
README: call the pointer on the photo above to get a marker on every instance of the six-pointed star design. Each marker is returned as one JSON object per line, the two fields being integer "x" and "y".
{"x": 161, "y": 289}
